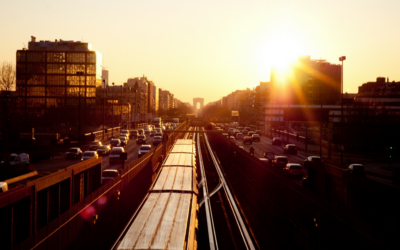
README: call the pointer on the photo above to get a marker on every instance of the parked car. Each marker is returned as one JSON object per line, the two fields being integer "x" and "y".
{"x": 312, "y": 159}
{"x": 247, "y": 139}
{"x": 108, "y": 175}
{"x": 115, "y": 143}
{"x": 255, "y": 137}
{"x": 239, "y": 136}
{"x": 103, "y": 150}
{"x": 293, "y": 169}
{"x": 95, "y": 145}
{"x": 115, "y": 155}
{"x": 269, "y": 155}
{"x": 277, "y": 141}
{"x": 157, "y": 140}
{"x": 18, "y": 160}
{"x": 356, "y": 169}
{"x": 141, "y": 139}
{"x": 89, "y": 155}
{"x": 74, "y": 153}
{"x": 279, "y": 161}
{"x": 290, "y": 149}
{"x": 144, "y": 149}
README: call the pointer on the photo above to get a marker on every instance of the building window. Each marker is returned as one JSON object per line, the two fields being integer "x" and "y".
{"x": 74, "y": 68}
{"x": 90, "y": 92}
{"x": 74, "y": 92}
{"x": 21, "y": 79}
{"x": 21, "y": 56}
{"x": 91, "y": 69}
{"x": 36, "y": 57}
{"x": 35, "y": 91}
{"x": 21, "y": 68}
{"x": 72, "y": 102}
{"x": 55, "y": 91}
{"x": 56, "y": 57}
{"x": 91, "y": 81}
{"x": 36, "y": 80}
{"x": 91, "y": 58}
{"x": 21, "y": 91}
{"x": 55, "y": 68}
{"x": 90, "y": 103}
{"x": 75, "y": 80}
{"x": 35, "y": 102}
{"x": 54, "y": 102}
{"x": 36, "y": 68}
{"x": 76, "y": 57}
{"x": 55, "y": 80}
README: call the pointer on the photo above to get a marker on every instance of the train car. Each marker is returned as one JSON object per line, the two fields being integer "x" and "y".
{"x": 168, "y": 217}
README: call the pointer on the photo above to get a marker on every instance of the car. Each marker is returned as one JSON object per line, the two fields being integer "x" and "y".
{"x": 290, "y": 149}
{"x": 255, "y": 137}
{"x": 123, "y": 140}
{"x": 245, "y": 132}
{"x": 241, "y": 147}
{"x": 141, "y": 139}
{"x": 133, "y": 133}
{"x": 152, "y": 133}
{"x": 3, "y": 187}
{"x": 144, "y": 149}
{"x": 158, "y": 130}
{"x": 115, "y": 143}
{"x": 140, "y": 131}
{"x": 158, "y": 134}
{"x": 125, "y": 132}
{"x": 239, "y": 136}
{"x": 247, "y": 128}
{"x": 258, "y": 132}
{"x": 247, "y": 139}
{"x": 293, "y": 169}
{"x": 269, "y": 155}
{"x": 251, "y": 133}
{"x": 115, "y": 155}
{"x": 18, "y": 160}
{"x": 230, "y": 131}
{"x": 279, "y": 161}
{"x": 232, "y": 138}
{"x": 95, "y": 145}
{"x": 147, "y": 131}
{"x": 73, "y": 153}
{"x": 277, "y": 141}
{"x": 89, "y": 155}
{"x": 312, "y": 159}
{"x": 108, "y": 175}
{"x": 103, "y": 150}
{"x": 356, "y": 169}
{"x": 157, "y": 140}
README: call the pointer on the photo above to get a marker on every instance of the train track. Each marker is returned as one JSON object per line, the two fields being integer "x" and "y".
{"x": 226, "y": 226}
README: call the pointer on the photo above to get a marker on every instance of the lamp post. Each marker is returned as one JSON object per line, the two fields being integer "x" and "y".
{"x": 112, "y": 129}
{"x": 79, "y": 73}
{"x": 342, "y": 58}
{"x": 104, "y": 104}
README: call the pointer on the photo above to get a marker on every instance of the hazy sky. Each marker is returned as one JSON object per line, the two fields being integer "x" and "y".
{"x": 210, "y": 48}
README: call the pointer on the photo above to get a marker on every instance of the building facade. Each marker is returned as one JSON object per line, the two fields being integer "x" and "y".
{"x": 59, "y": 74}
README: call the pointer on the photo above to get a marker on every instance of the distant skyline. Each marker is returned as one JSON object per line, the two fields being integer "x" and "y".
{"x": 210, "y": 48}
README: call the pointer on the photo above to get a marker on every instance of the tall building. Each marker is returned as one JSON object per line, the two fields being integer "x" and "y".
{"x": 306, "y": 81}
{"x": 58, "y": 74}
{"x": 104, "y": 76}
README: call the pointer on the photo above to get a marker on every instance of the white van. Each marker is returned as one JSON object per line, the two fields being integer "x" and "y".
{"x": 19, "y": 160}
{"x": 3, "y": 187}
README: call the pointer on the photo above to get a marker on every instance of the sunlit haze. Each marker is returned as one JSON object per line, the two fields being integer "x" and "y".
{"x": 210, "y": 48}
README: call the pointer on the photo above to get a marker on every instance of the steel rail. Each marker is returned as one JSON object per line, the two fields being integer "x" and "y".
{"x": 238, "y": 217}
{"x": 212, "y": 236}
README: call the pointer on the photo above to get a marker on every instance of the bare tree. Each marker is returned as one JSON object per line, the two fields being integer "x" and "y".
{"x": 9, "y": 102}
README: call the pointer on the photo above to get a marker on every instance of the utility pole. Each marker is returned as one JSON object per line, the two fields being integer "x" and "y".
{"x": 79, "y": 73}
{"x": 104, "y": 104}
{"x": 342, "y": 58}
{"x": 112, "y": 129}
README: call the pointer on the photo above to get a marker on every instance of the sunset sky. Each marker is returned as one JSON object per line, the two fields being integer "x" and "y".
{"x": 210, "y": 48}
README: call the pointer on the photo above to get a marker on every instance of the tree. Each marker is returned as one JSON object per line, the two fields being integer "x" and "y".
{"x": 9, "y": 102}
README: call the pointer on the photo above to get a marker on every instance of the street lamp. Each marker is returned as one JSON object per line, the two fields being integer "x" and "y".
{"x": 79, "y": 73}
{"x": 342, "y": 58}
